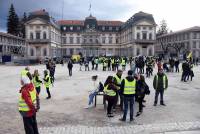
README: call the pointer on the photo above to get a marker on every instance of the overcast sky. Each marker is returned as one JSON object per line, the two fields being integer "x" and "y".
{"x": 179, "y": 14}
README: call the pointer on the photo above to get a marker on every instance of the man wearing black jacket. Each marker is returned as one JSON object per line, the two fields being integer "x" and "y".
{"x": 128, "y": 88}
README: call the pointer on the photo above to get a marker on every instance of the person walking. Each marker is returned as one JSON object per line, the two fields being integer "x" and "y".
{"x": 128, "y": 88}
{"x": 47, "y": 83}
{"x": 160, "y": 83}
{"x": 70, "y": 66}
{"x": 110, "y": 94}
{"x": 28, "y": 105}
{"x": 36, "y": 81}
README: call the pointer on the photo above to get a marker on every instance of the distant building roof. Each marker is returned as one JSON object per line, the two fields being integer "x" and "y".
{"x": 191, "y": 29}
{"x": 71, "y": 22}
{"x": 109, "y": 23}
{"x": 11, "y": 36}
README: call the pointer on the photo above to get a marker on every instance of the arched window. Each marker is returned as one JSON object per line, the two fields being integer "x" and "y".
{"x": 31, "y": 52}
{"x": 44, "y": 52}
{"x": 31, "y": 35}
{"x": 44, "y": 35}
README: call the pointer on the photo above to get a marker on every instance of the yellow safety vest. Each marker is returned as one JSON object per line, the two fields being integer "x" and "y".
{"x": 112, "y": 61}
{"x": 118, "y": 80}
{"x": 24, "y": 73}
{"x": 123, "y": 62}
{"x": 129, "y": 87}
{"x": 48, "y": 83}
{"x": 22, "y": 104}
{"x": 36, "y": 84}
{"x": 164, "y": 79}
{"x": 109, "y": 92}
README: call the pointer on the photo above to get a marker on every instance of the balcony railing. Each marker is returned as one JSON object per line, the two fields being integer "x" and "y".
{"x": 145, "y": 41}
{"x": 38, "y": 40}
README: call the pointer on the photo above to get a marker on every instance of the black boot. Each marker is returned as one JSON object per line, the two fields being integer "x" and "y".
{"x": 155, "y": 103}
{"x": 162, "y": 103}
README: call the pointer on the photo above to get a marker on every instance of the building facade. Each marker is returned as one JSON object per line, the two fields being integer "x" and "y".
{"x": 179, "y": 43}
{"x": 91, "y": 37}
{"x": 12, "y": 46}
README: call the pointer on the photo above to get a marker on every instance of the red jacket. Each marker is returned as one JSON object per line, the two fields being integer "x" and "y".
{"x": 25, "y": 93}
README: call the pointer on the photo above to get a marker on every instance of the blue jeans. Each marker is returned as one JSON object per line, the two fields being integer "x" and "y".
{"x": 130, "y": 101}
{"x": 91, "y": 97}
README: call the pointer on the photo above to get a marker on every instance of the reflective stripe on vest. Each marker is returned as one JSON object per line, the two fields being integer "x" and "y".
{"x": 118, "y": 80}
{"x": 109, "y": 92}
{"x": 112, "y": 61}
{"x": 22, "y": 104}
{"x": 36, "y": 84}
{"x": 129, "y": 87}
{"x": 164, "y": 81}
{"x": 48, "y": 83}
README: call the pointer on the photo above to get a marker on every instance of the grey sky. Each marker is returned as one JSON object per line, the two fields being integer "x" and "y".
{"x": 179, "y": 14}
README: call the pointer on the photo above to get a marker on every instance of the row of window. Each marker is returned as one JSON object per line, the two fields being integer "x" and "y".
{"x": 33, "y": 53}
{"x": 144, "y": 36}
{"x": 38, "y": 35}
{"x": 38, "y": 27}
{"x": 90, "y": 40}
{"x": 195, "y": 44}
{"x": 144, "y": 28}
{"x": 103, "y": 28}
{"x": 8, "y": 40}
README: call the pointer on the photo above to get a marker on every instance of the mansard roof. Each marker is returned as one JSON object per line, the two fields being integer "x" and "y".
{"x": 39, "y": 14}
{"x": 71, "y": 22}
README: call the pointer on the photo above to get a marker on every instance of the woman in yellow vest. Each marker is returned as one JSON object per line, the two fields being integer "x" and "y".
{"x": 36, "y": 81}
{"x": 47, "y": 83}
{"x": 110, "y": 94}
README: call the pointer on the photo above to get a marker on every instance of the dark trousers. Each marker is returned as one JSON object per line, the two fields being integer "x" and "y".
{"x": 48, "y": 92}
{"x": 111, "y": 101}
{"x": 38, "y": 90}
{"x": 140, "y": 100}
{"x": 70, "y": 72}
{"x": 161, "y": 92}
{"x": 177, "y": 69}
{"x": 30, "y": 125}
{"x": 130, "y": 101}
{"x": 113, "y": 67}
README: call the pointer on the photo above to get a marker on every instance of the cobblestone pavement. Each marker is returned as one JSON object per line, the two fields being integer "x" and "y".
{"x": 179, "y": 127}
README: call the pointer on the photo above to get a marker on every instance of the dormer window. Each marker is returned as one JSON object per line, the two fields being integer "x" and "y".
{"x": 64, "y": 28}
{"x": 71, "y": 28}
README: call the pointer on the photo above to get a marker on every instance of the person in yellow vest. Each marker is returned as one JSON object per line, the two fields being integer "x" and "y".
{"x": 113, "y": 63}
{"x": 160, "y": 83}
{"x": 123, "y": 63}
{"x": 36, "y": 81}
{"x": 47, "y": 83}
{"x": 117, "y": 81}
{"x": 28, "y": 105}
{"x": 25, "y": 72}
{"x": 128, "y": 88}
{"x": 110, "y": 94}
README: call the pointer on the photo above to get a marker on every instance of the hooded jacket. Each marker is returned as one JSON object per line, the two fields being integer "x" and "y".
{"x": 130, "y": 79}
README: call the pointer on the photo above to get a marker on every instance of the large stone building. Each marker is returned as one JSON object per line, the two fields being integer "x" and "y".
{"x": 11, "y": 47}
{"x": 179, "y": 43}
{"x": 91, "y": 37}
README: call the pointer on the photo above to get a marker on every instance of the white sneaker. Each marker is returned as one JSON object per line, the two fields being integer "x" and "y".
{"x": 89, "y": 106}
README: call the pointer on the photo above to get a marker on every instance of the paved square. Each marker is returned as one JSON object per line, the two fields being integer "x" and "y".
{"x": 65, "y": 112}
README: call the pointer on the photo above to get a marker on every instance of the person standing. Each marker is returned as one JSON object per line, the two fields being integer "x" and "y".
{"x": 36, "y": 81}
{"x": 47, "y": 83}
{"x": 110, "y": 94}
{"x": 28, "y": 105}
{"x": 25, "y": 72}
{"x": 141, "y": 89}
{"x": 70, "y": 66}
{"x": 128, "y": 88}
{"x": 160, "y": 83}
{"x": 117, "y": 81}
{"x": 176, "y": 63}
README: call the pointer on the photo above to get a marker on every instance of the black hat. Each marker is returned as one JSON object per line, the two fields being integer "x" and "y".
{"x": 130, "y": 72}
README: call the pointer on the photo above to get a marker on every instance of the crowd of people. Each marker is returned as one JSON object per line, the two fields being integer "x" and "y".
{"x": 125, "y": 91}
